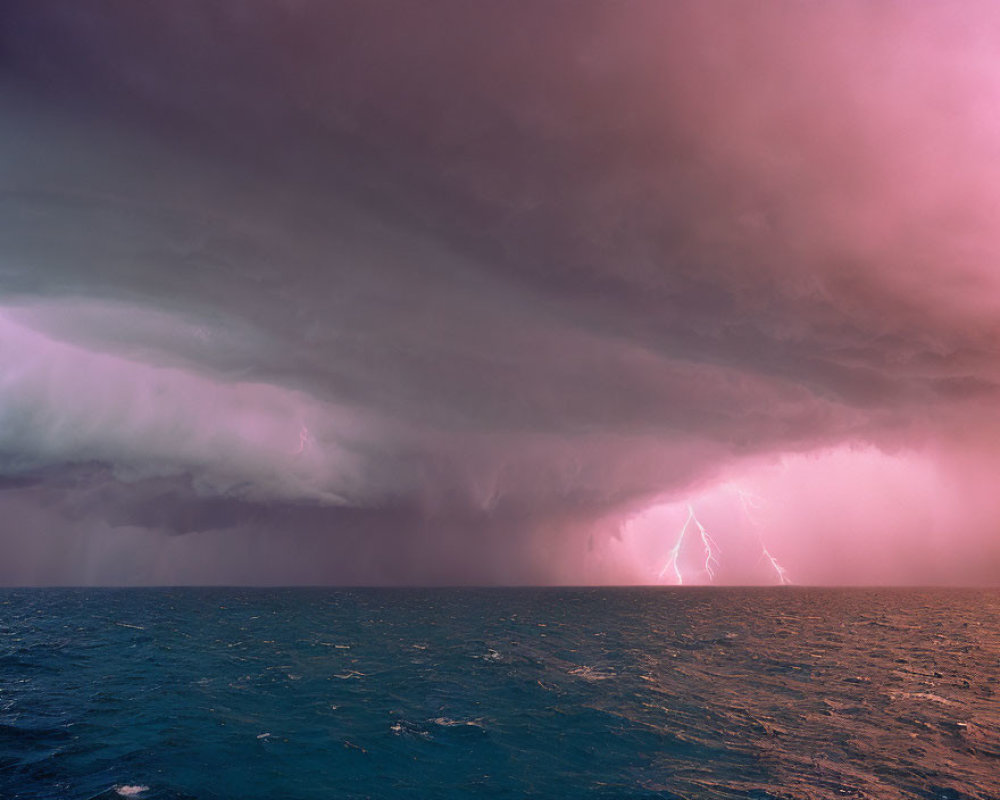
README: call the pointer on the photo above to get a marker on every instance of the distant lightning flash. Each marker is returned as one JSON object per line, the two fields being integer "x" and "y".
{"x": 782, "y": 573}
{"x": 711, "y": 549}
{"x": 303, "y": 440}
{"x": 675, "y": 551}
{"x": 751, "y": 503}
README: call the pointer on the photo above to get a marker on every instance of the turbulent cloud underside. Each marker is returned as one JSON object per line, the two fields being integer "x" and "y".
{"x": 387, "y": 293}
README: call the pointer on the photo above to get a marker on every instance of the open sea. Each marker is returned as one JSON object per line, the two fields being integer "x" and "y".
{"x": 506, "y": 693}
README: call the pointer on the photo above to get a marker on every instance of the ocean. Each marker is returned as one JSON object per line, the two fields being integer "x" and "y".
{"x": 499, "y": 693}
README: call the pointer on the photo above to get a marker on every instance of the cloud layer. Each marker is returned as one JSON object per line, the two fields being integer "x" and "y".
{"x": 450, "y": 293}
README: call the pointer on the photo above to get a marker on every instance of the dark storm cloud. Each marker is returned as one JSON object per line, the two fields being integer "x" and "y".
{"x": 85, "y": 515}
{"x": 509, "y": 265}
{"x": 616, "y": 163}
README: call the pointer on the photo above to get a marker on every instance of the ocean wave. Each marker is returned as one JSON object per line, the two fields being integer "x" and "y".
{"x": 665, "y": 703}
{"x": 130, "y": 789}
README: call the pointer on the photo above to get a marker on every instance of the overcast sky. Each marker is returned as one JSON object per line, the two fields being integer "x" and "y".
{"x": 450, "y": 292}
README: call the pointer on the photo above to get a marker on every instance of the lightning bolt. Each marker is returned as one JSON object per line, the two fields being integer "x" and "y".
{"x": 304, "y": 440}
{"x": 751, "y": 503}
{"x": 711, "y": 548}
{"x": 709, "y": 544}
{"x": 780, "y": 570}
{"x": 675, "y": 551}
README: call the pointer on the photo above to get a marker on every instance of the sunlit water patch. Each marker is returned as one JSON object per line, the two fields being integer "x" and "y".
{"x": 669, "y": 693}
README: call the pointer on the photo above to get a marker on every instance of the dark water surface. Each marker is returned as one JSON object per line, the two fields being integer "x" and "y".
{"x": 692, "y": 693}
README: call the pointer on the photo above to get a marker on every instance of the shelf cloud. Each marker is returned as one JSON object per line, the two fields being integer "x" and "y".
{"x": 373, "y": 293}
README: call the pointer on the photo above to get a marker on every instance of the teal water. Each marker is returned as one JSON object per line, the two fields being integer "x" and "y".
{"x": 461, "y": 693}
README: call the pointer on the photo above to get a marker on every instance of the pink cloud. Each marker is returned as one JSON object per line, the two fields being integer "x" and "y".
{"x": 848, "y": 515}
{"x": 65, "y": 403}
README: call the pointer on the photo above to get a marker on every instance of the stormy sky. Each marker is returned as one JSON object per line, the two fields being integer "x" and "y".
{"x": 446, "y": 292}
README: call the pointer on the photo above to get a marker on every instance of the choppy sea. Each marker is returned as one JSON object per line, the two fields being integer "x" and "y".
{"x": 462, "y": 693}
